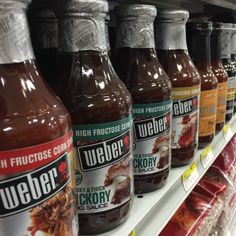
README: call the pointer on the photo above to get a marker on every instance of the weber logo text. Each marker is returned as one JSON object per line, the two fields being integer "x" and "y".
{"x": 25, "y": 191}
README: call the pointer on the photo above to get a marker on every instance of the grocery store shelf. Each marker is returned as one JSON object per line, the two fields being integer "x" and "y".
{"x": 150, "y": 212}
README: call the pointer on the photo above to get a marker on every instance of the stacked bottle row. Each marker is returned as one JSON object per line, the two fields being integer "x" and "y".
{"x": 126, "y": 134}
{"x": 168, "y": 98}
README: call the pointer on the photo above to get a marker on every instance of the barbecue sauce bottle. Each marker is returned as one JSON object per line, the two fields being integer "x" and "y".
{"x": 233, "y": 57}
{"x": 220, "y": 73}
{"x": 198, "y": 36}
{"x": 173, "y": 55}
{"x": 36, "y": 158}
{"x": 100, "y": 106}
{"x": 229, "y": 67}
{"x": 44, "y": 34}
{"x": 150, "y": 88}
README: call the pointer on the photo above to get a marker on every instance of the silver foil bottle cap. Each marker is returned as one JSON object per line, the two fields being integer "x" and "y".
{"x": 83, "y": 6}
{"x": 227, "y": 26}
{"x": 172, "y": 15}
{"x": 135, "y": 26}
{"x": 136, "y": 10}
{"x": 9, "y": 4}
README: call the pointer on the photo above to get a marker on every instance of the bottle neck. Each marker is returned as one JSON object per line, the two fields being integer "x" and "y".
{"x": 44, "y": 30}
{"x": 226, "y": 44}
{"x": 15, "y": 44}
{"x": 216, "y": 47}
{"x": 135, "y": 34}
{"x": 107, "y": 36}
{"x": 171, "y": 36}
{"x": 82, "y": 33}
{"x": 199, "y": 49}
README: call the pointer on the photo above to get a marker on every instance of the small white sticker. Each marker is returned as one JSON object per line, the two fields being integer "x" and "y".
{"x": 190, "y": 176}
{"x": 227, "y": 132}
{"x": 207, "y": 156}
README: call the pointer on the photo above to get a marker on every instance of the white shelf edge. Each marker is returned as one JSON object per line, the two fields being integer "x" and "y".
{"x": 150, "y": 214}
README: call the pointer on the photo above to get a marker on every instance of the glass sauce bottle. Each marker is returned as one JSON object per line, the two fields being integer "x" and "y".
{"x": 233, "y": 56}
{"x": 44, "y": 34}
{"x": 229, "y": 67}
{"x": 150, "y": 88}
{"x": 198, "y": 35}
{"x": 36, "y": 158}
{"x": 173, "y": 55}
{"x": 220, "y": 73}
{"x": 100, "y": 106}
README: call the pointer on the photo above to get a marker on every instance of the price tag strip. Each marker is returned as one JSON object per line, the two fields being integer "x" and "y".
{"x": 206, "y": 156}
{"x": 190, "y": 176}
{"x": 132, "y": 233}
{"x": 228, "y": 133}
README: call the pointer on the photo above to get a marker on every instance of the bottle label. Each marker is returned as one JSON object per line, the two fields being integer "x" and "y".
{"x": 105, "y": 173}
{"x": 185, "y": 116}
{"x": 230, "y": 95}
{"x": 221, "y": 102}
{"x": 152, "y": 136}
{"x": 45, "y": 34}
{"x": 37, "y": 182}
{"x": 135, "y": 34}
{"x": 208, "y": 106}
{"x": 15, "y": 44}
{"x": 82, "y": 34}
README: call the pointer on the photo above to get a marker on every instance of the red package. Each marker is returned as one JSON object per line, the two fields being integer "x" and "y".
{"x": 226, "y": 161}
{"x": 191, "y": 213}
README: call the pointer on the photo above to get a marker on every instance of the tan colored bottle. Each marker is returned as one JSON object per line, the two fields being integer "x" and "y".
{"x": 220, "y": 73}
{"x": 198, "y": 35}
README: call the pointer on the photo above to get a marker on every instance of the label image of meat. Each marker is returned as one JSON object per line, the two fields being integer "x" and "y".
{"x": 152, "y": 124}
{"x": 185, "y": 116}
{"x": 105, "y": 165}
{"x": 40, "y": 199}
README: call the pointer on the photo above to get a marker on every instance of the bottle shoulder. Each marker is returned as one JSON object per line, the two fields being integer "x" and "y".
{"x": 30, "y": 113}
{"x": 94, "y": 90}
{"x": 179, "y": 67}
{"x": 220, "y": 73}
{"x": 208, "y": 80}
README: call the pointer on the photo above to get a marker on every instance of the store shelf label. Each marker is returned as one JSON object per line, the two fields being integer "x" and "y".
{"x": 132, "y": 233}
{"x": 206, "y": 156}
{"x": 190, "y": 176}
{"x": 228, "y": 133}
